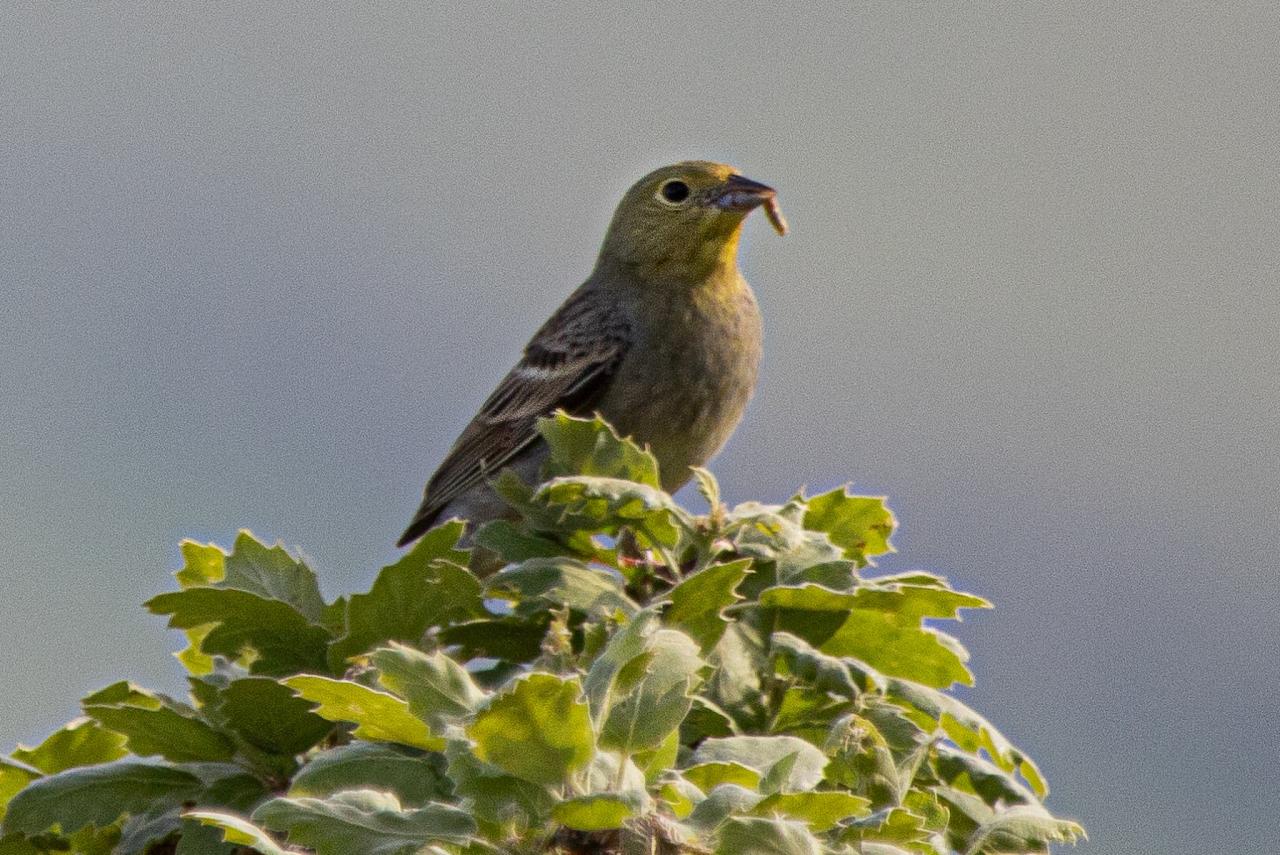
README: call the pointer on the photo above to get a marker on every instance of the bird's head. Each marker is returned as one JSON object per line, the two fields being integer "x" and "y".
{"x": 682, "y": 222}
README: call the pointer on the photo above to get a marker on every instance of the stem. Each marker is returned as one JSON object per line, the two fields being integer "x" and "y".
{"x": 665, "y": 554}
{"x": 623, "y": 757}
{"x": 773, "y": 687}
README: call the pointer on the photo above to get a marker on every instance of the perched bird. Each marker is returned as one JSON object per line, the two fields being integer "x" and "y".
{"x": 662, "y": 340}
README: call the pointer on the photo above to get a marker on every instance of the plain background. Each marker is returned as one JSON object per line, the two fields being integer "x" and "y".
{"x": 260, "y": 262}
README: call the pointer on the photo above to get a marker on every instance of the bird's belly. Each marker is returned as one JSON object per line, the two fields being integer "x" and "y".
{"x": 684, "y": 401}
{"x": 695, "y": 428}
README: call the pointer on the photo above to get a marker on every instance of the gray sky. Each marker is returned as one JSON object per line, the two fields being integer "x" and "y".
{"x": 261, "y": 261}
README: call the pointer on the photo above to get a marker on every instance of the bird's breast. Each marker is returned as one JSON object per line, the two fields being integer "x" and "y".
{"x": 684, "y": 384}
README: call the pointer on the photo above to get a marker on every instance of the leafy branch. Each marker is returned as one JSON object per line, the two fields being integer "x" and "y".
{"x": 637, "y": 678}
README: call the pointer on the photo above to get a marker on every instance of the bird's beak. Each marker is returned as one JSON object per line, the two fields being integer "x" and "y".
{"x": 739, "y": 193}
{"x": 742, "y": 194}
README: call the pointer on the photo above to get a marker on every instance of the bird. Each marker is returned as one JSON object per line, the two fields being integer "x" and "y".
{"x": 662, "y": 340}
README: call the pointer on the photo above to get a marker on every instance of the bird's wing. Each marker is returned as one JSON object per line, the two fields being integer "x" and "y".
{"x": 567, "y": 365}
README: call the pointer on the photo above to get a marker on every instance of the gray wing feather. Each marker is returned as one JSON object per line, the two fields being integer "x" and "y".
{"x": 567, "y": 365}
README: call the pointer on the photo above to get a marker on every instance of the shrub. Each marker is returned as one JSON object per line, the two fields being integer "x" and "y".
{"x": 638, "y": 678}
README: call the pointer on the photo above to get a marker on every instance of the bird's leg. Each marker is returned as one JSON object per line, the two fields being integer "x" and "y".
{"x": 640, "y": 567}
{"x": 633, "y": 564}
{"x": 630, "y": 555}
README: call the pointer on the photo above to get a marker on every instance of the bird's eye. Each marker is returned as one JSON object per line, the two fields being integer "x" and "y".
{"x": 674, "y": 191}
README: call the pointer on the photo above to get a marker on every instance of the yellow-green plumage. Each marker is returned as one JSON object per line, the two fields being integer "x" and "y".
{"x": 662, "y": 340}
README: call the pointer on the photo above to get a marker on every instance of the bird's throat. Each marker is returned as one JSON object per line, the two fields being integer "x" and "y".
{"x": 711, "y": 260}
{"x": 703, "y": 253}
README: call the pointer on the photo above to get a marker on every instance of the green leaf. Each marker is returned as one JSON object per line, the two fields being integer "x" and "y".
{"x": 614, "y": 774}
{"x": 821, "y": 811}
{"x": 493, "y": 795}
{"x": 966, "y": 813}
{"x": 804, "y": 763}
{"x": 538, "y": 729}
{"x": 280, "y": 638}
{"x": 539, "y": 583}
{"x": 597, "y": 505}
{"x": 775, "y": 534}
{"x": 807, "y": 713}
{"x": 901, "y": 731}
{"x": 155, "y": 724}
{"x": 335, "y": 616}
{"x": 705, "y": 719}
{"x": 1018, "y": 828}
{"x": 626, "y": 644}
{"x": 227, "y": 788}
{"x": 97, "y": 795}
{"x": 203, "y": 564}
{"x": 592, "y": 447}
{"x": 369, "y": 822}
{"x": 899, "y": 829}
{"x": 429, "y": 586}
{"x": 597, "y": 812}
{"x": 720, "y": 804}
{"x": 844, "y": 676}
{"x": 975, "y": 775}
{"x": 82, "y": 742}
{"x": 13, "y": 777}
{"x": 650, "y": 705}
{"x": 655, "y": 761}
{"x": 378, "y": 716}
{"x": 969, "y": 730}
{"x": 860, "y": 525}
{"x": 708, "y": 776}
{"x": 708, "y": 486}
{"x": 414, "y": 776}
{"x": 698, "y": 601}
{"x": 880, "y": 625}
{"x": 438, "y": 689}
{"x": 917, "y": 596}
{"x": 274, "y": 574}
{"x": 238, "y": 831}
{"x": 16, "y": 844}
{"x": 197, "y": 839}
{"x": 513, "y": 639}
{"x": 736, "y": 683}
{"x": 269, "y": 716}
{"x": 140, "y": 831}
{"x": 794, "y": 657}
{"x": 680, "y": 795}
{"x": 863, "y": 761}
{"x": 196, "y": 661}
{"x": 228, "y": 785}
{"x": 96, "y": 841}
{"x": 808, "y": 597}
{"x": 876, "y": 848}
{"x": 755, "y": 836}
{"x": 515, "y": 544}
{"x": 270, "y": 573}
{"x": 925, "y": 804}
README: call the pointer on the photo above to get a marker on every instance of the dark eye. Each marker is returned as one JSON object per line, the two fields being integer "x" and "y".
{"x": 675, "y": 191}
